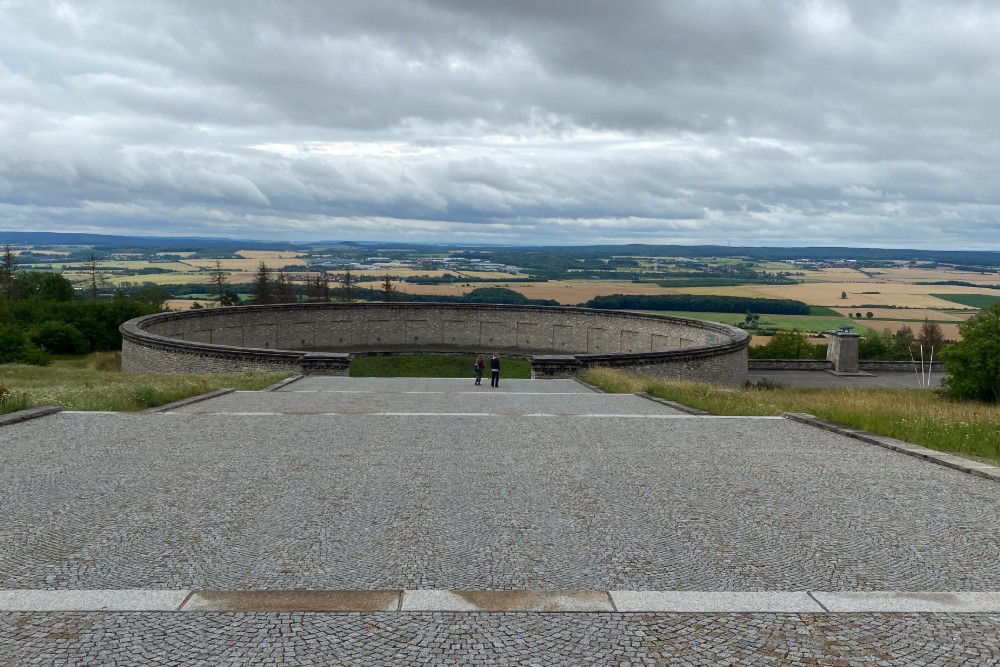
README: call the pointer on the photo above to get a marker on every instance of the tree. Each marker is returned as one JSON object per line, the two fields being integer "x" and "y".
{"x": 229, "y": 298}
{"x": 98, "y": 279}
{"x": 388, "y": 289}
{"x": 931, "y": 337}
{"x": 8, "y": 267}
{"x": 787, "y": 344}
{"x": 347, "y": 287}
{"x": 153, "y": 295}
{"x": 843, "y": 295}
{"x": 219, "y": 280}
{"x": 973, "y": 363}
{"x": 869, "y": 314}
{"x": 262, "y": 292}
{"x": 44, "y": 285}
{"x": 284, "y": 289}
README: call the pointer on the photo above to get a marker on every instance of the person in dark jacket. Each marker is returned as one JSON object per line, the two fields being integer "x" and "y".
{"x": 495, "y": 370}
{"x": 480, "y": 367}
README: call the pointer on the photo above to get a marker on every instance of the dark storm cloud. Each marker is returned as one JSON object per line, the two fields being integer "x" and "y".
{"x": 746, "y": 121}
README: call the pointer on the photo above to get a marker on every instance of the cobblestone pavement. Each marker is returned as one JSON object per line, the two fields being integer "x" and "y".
{"x": 326, "y": 383}
{"x": 483, "y": 400}
{"x": 175, "y": 501}
{"x": 719, "y": 640}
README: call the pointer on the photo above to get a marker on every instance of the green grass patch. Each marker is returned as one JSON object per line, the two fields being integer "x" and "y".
{"x": 823, "y": 311}
{"x": 95, "y": 382}
{"x": 804, "y": 323}
{"x": 971, "y": 300}
{"x": 435, "y": 366}
{"x": 919, "y": 416}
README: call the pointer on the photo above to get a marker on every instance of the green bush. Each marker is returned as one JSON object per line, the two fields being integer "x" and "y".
{"x": 787, "y": 344}
{"x": 973, "y": 363}
{"x": 16, "y": 348}
{"x": 60, "y": 338}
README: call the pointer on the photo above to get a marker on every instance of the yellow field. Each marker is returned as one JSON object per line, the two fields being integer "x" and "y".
{"x": 949, "y": 331}
{"x": 269, "y": 254}
{"x": 832, "y": 274}
{"x": 271, "y": 262}
{"x": 566, "y": 292}
{"x": 889, "y": 294}
{"x": 912, "y": 275}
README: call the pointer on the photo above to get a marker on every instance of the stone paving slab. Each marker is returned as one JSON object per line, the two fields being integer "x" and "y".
{"x": 89, "y": 600}
{"x": 184, "y": 501}
{"x": 452, "y": 385}
{"x": 310, "y": 639}
{"x": 713, "y": 601}
{"x": 484, "y": 400}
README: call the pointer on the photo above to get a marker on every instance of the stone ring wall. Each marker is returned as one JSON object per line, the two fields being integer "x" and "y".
{"x": 322, "y": 338}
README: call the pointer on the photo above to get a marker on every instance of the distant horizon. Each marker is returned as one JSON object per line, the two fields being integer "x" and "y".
{"x": 7, "y": 237}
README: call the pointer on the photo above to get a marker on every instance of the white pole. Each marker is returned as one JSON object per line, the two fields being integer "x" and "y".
{"x": 930, "y": 367}
{"x": 922, "y": 385}
{"x": 914, "y": 362}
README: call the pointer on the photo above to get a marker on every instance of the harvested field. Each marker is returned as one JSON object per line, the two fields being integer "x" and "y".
{"x": 269, "y": 254}
{"x": 833, "y": 275}
{"x": 888, "y": 294}
{"x": 566, "y": 292}
{"x": 274, "y": 262}
{"x": 913, "y": 275}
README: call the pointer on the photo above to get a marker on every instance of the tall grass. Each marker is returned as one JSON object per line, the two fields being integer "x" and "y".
{"x": 95, "y": 382}
{"x": 914, "y": 415}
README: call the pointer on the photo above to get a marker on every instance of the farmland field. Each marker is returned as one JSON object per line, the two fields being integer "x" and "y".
{"x": 804, "y": 323}
{"x": 972, "y": 300}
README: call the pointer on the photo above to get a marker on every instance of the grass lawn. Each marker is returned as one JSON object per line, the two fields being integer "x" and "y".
{"x": 918, "y": 416}
{"x": 805, "y": 323}
{"x": 95, "y": 382}
{"x": 973, "y": 300}
{"x": 435, "y": 366}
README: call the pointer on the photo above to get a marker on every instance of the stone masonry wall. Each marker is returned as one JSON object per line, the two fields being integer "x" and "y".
{"x": 276, "y": 337}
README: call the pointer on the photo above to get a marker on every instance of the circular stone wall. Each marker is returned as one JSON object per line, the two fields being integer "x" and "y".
{"x": 322, "y": 337}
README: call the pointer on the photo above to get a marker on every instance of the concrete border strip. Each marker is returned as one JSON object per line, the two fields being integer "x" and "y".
{"x": 672, "y": 404}
{"x": 953, "y": 461}
{"x": 502, "y": 601}
{"x": 283, "y": 383}
{"x": 189, "y": 400}
{"x": 92, "y": 600}
{"x": 28, "y": 414}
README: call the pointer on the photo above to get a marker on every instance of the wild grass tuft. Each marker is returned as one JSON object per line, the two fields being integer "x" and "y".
{"x": 915, "y": 415}
{"x": 94, "y": 382}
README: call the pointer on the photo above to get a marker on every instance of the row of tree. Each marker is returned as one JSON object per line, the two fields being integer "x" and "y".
{"x": 703, "y": 303}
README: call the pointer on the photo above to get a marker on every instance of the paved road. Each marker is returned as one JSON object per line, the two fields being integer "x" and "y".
{"x": 645, "y": 499}
{"x": 820, "y": 379}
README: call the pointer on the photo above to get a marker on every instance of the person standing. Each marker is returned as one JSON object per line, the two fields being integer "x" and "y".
{"x": 480, "y": 366}
{"x": 495, "y": 370}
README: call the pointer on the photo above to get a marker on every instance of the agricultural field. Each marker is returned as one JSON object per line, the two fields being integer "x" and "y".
{"x": 566, "y": 292}
{"x": 246, "y": 264}
{"x": 971, "y": 300}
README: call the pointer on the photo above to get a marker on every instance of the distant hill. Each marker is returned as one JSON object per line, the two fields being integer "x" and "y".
{"x": 175, "y": 244}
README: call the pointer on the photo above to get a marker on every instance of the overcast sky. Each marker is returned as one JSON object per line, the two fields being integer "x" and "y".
{"x": 743, "y": 122}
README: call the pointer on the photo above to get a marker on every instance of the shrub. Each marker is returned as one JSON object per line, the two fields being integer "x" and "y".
{"x": 60, "y": 338}
{"x": 788, "y": 345}
{"x": 973, "y": 363}
{"x": 16, "y": 348}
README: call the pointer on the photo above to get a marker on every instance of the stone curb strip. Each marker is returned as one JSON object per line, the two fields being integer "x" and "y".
{"x": 673, "y": 404}
{"x": 986, "y": 470}
{"x": 588, "y": 601}
{"x": 191, "y": 399}
{"x": 25, "y": 415}
{"x": 283, "y": 383}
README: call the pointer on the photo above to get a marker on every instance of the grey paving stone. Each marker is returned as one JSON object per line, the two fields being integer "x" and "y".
{"x": 451, "y": 385}
{"x": 310, "y": 639}
{"x": 184, "y": 501}
{"x": 483, "y": 400}
{"x": 714, "y": 602}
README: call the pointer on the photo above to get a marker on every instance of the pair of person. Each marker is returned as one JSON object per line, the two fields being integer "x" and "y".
{"x": 494, "y": 370}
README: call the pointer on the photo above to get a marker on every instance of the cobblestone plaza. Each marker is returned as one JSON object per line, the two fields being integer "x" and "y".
{"x": 338, "y": 484}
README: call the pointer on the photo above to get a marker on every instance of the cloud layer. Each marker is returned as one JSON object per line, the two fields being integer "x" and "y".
{"x": 752, "y": 122}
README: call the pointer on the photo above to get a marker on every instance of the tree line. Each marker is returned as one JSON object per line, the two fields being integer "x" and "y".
{"x": 698, "y": 303}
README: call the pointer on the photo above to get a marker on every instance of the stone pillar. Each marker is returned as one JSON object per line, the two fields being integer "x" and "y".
{"x": 842, "y": 351}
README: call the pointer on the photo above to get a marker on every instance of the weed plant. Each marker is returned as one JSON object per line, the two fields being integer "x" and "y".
{"x": 95, "y": 382}
{"x": 919, "y": 416}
